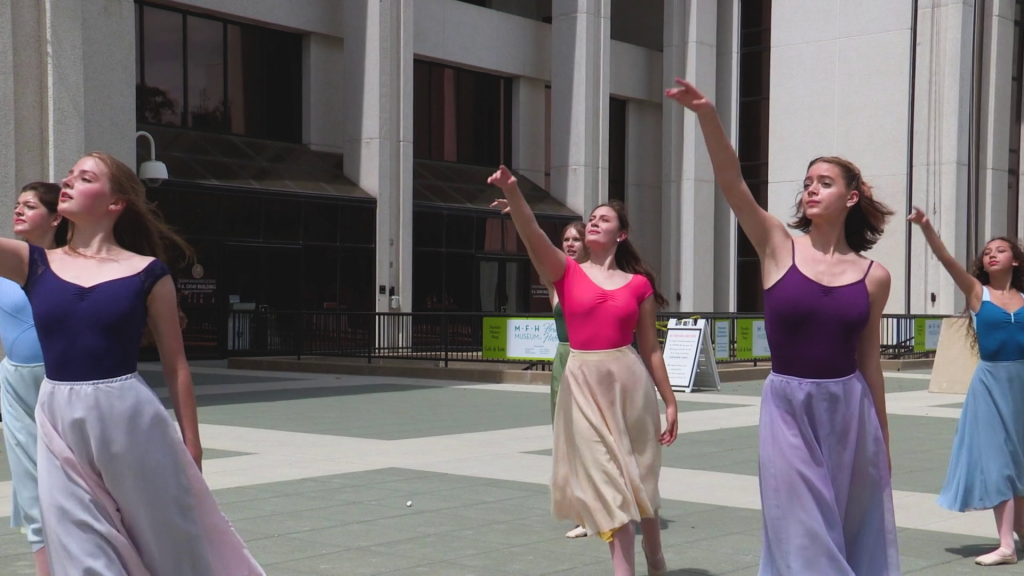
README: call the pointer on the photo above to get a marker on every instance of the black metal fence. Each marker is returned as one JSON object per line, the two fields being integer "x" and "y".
{"x": 459, "y": 337}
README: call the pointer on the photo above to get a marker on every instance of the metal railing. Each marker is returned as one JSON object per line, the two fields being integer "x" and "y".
{"x": 459, "y": 337}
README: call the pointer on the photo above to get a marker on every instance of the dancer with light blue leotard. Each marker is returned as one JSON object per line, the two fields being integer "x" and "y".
{"x": 986, "y": 467}
{"x": 21, "y": 371}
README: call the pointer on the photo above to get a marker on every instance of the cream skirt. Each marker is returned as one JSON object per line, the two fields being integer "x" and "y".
{"x": 607, "y": 454}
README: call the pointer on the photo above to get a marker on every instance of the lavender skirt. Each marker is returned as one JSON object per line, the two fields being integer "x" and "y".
{"x": 826, "y": 494}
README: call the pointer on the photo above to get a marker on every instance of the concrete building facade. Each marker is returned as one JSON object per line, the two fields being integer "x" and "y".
{"x": 924, "y": 96}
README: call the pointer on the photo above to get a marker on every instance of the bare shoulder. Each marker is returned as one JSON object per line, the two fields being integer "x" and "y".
{"x": 879, "y": 282}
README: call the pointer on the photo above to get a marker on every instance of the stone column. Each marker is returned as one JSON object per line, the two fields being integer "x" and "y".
{"x": 994, "y": 137}
{"x": 580, "y": 80}
{"x": 942, "y": 97}
{"x": 688, "y": 181}
{"x": 643, "y": 181}
{"x": 378, "y": 131}
{"x": 528, "y": 128}
{"x": 67, "y": 86}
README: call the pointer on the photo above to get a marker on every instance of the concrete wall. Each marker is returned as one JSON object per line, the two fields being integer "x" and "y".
{"x": 323, "y": 93}
{"x": 840, "y": 73}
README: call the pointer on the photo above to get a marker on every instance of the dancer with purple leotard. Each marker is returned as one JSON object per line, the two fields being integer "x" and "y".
{"x": 120, "y": 490}
{"x": 826, "y": 493}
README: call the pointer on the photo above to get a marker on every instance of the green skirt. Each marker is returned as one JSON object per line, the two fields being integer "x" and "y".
{"x": 557, "y": 368}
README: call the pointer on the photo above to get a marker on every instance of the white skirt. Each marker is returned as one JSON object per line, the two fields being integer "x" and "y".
{"x": 120, "y": 494}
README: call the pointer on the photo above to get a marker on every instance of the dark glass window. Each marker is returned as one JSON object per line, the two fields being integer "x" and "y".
{"x": 428, "y": 229}
{"x": 617, "y": 150}
{"x": 459, "y": 232}
{"x": 358, "y": 273}
{"x": 282, "y": 219}
{"x": 197, "y": 213}
{"x": 320, "y": 277}
{"x": 474, "y": 263}
{"x": 160, "y": 93}
{"x": 358, "y": 225}
{"x": 752, "y": 147}
{"x": 461, "y": 115}
{"x": 242, "y": 217}
{"x": 210, "y": 74}
{"x": 205, "y": 73}
{"x": 428, "y": 280}
{"x": 320, "y": 222}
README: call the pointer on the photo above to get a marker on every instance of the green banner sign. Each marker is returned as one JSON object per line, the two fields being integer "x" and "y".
{"x": 926, "y": 334}
{"x": 751, "y": 339}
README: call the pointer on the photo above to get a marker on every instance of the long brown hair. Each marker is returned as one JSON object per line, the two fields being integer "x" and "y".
{"x": 140, "y": 228}
{"x": 48, "y": 195}
{"x": 866, "y": 219}
{"x": 627, "y": 258}
{"x": 581, "y": 231}
{"x": 978, "y": 271}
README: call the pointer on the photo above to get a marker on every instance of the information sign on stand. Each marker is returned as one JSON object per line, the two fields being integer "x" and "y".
{"x": 689, "y": 356}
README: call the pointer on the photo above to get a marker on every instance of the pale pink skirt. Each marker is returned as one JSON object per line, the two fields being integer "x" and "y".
{"x": 120, "y": 494}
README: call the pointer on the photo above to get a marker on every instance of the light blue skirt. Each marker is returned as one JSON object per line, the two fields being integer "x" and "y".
{"x": 19, "y": 390}
{"x": 986, "y": 466}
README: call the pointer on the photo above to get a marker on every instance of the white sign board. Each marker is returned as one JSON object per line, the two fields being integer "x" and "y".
{"x": 688, "y": 356}
{"x": 722, "y": 339}
{"x": 931, "y": 334}
{"x": 531, "y": 338}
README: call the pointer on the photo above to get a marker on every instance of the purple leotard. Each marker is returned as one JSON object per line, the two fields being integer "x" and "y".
{"x": 814, "y": 330}
{"x": 89, "y": 333}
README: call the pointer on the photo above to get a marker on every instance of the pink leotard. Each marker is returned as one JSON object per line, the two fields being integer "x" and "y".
{"x": 599, "y": 319}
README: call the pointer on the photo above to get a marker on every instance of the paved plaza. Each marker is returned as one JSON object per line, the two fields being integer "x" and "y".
{"x": 315, "y": 472}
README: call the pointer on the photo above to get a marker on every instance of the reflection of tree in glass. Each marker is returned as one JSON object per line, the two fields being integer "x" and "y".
{"x": 205, "y": 116}
{"x": 154, "y": 106}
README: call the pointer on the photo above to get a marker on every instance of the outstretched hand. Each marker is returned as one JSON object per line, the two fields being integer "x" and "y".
{"x": 501, "y": 204}
{"x": 687, "y": 95}
{"x": 917, "y": 216}
{"x": 503, "y": 179}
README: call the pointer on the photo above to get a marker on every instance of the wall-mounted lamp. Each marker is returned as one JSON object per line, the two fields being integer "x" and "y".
{"x": 152, "y": 172}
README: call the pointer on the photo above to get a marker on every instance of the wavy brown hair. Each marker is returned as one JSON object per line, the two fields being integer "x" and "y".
{"x": 978, "y": 271}
{"x": 626, "y": 256}
{"x": 48, "y": 195}
{"x": 581, "y": 230}
{"x": 866, "y": 219}
{"x": 140, "y": 228}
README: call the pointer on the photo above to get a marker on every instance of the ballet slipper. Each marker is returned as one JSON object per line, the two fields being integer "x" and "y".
{"x": 577, "y": 532}
{"x": 997, "y": 557}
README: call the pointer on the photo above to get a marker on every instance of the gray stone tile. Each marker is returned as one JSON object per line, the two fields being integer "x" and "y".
{"x": 352, "y": 536}
{"x": 525, "y": 560}
{"x": 278, "y": 549}
{"x": 353, "y": 562}
{"x": 437, "y": 547}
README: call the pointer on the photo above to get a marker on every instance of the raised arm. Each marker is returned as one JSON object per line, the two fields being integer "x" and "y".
{"x": 163, "y": 320}
{"x": 967, "y": 284}
{"x": 546, "y": 257}
{"x": 765, "y": 231}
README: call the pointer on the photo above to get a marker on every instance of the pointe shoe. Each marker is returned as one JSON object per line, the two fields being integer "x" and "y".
{"x": 577, "y": 532}
{"x": 997, "y": 557}
{"x": 659, "y": 561}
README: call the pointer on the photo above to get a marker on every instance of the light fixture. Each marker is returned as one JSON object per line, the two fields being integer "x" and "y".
{"x": 152, "y": 172}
